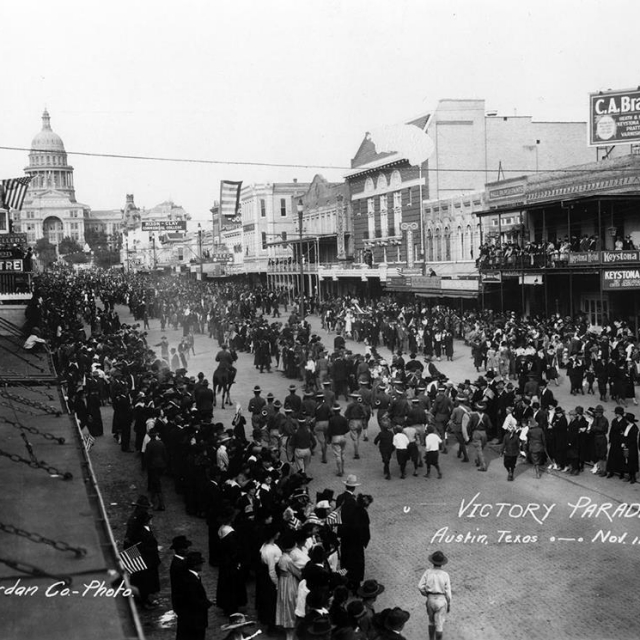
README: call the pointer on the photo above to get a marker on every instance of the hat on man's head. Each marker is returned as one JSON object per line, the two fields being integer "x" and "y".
{"x": 180, "y": 542}
{"x": 356, "y": 608}
{"x": 236, "y": 620}
{"x": 629, "y": 417}
{"x": 319, "y": 626}
{"x": 142, "y": 502}
{"x": 257, "y": 389}
{"x": 619, "y": 411}
{"x": 337, "y": 407}
{"x": 292, "y": 387}
{"x": 370, "y": 589}
{"x": 437, "y": 557}
{"x": 277, "y": 404}
{"x": 351, "y": 481}
{"x": 395, "y": 618}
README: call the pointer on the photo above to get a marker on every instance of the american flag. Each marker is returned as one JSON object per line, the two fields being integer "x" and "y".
{"x": 89, "y": 441}
{"x": 229, "y": 198}
{"x": 13, "y": 191}
{"x": 131, "y": 560}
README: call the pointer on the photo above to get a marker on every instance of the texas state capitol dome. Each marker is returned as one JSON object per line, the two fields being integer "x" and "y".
{"x": 50, "y": 209}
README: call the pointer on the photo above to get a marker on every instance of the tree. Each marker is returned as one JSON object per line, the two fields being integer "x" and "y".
{"x": 95, "y": 239}
{"x": 69, "y": 245}
{"x": 45, "y": 252}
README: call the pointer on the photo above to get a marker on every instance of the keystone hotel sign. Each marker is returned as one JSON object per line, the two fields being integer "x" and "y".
{"x": 620, "y": 279}
{"x": 614, "y": 117}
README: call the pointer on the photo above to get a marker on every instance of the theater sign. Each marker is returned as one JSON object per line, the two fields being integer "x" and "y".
{"x": 614, "y": 117}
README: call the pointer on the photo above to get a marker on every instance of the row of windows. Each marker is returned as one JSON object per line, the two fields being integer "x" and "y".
{"x": 381, "y": 183}
{"x": 48, "y": 160}
{"x": 283, "y": 208}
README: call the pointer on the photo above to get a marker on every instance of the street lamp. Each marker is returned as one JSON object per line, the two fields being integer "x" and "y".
{"x": 300, "y": 212}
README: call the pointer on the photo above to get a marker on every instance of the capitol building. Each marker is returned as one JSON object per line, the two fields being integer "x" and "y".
{"x": 50, "y": 209}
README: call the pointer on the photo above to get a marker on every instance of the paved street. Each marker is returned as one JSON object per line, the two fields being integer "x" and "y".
{"x": 534, "y": 559}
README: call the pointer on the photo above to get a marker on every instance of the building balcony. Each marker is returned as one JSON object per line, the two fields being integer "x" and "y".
{"x": 558, "y": 260}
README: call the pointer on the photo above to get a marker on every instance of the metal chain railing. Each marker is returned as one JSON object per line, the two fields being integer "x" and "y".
{"x": 36, "y": 404}
{"x": 67, "y": 475}
{"x": 60, "y": 545}
{"x": 32, "y": 570}
{"x": 33, "y": 430}
{"x": 11, "y": 406}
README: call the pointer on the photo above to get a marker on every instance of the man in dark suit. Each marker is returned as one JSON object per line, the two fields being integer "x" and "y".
{"x": 191, "y": 604}
{"x": 180, "y": 546}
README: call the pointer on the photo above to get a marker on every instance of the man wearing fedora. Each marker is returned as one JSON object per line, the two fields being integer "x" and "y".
{"x": 435, "y": 584}
{"x": 180, "y": 546}
{"x": 389, "y": 623}
{"x": 368, "y": 592}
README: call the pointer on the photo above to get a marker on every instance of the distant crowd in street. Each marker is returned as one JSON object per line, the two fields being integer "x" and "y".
{"x": 249, "y": 479}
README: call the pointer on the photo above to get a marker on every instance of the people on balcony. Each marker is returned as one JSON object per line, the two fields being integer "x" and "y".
{"x": 552, "y": 253}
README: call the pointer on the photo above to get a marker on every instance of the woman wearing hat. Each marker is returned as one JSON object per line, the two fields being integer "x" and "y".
{"x": 435, "y": 584}
{"x": 630, "y": 447}
{"x": 615, "y": 459}
{"x": 599, "y": 431}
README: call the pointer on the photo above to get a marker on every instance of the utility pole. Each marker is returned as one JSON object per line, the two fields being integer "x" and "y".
{"x": 200, "y": 248}
{"x": 300, "y": 212}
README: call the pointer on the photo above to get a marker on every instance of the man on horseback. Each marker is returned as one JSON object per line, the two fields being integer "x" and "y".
{"x": 225, "y": 374}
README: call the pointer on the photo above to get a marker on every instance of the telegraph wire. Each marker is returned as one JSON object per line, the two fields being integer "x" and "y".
{"x": 123, "y": 156}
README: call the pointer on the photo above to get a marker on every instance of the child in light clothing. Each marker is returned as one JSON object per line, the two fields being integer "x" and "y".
{"x": 432, "y": 448}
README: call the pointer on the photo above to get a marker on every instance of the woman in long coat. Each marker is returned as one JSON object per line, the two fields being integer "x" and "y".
{"x": 557, "y": 439}
{"x": 630, "y": 447}
{"x": 615, "y": 459}
{"x": 148, "y": 580}
{"x": 231, "y": 591}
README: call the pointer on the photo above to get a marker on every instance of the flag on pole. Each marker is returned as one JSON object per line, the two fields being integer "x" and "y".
{"x": 132, "y": 560}
{"x": 229, "y": 198}
{"x": 13, "y": 191}
{"x": 89, "y": 441}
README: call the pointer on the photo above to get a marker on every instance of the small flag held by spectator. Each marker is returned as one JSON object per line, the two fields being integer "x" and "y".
{"x": 13, "y": 191}
{"x": 131, "y": 560}
{"x": 229, "y": 198}
{"x": 89, "y": 440}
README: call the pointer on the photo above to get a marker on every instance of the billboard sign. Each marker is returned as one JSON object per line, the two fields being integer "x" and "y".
{"x": 164, "y": 225}
{"x": 620, "y": 279}
{"x": 614, "y": 117}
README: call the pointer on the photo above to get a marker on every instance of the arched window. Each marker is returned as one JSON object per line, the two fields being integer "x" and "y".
{"x": 396, "y": 180}
{"x": 381, "y": 184}
{"x": 438, "y": 246}
{"x": 461, "y": 236}
{"x": 429, "y": 245}
{"x": 447, "y": 245}
{"x": 469, "y": 254}
{"x": 368, "y": 185}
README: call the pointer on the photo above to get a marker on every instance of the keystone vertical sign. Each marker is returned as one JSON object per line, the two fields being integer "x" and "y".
{"x": 614, "y": 117}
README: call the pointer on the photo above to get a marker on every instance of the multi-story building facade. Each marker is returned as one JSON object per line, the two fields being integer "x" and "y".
{"x": 416, "y": 223}
{"x": 268, "y": 219}
{"x": 324, "y": 244}
{"x": 565, "y": 242}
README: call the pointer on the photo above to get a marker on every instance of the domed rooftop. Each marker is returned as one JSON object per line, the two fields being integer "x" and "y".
{"x": 47, "y": 140}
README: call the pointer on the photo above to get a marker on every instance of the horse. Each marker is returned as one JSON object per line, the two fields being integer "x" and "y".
{"x": 223, "y": 378}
